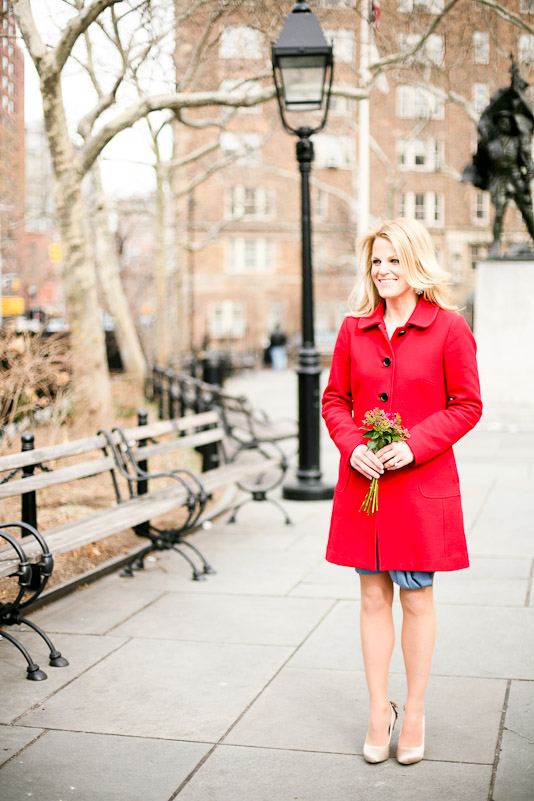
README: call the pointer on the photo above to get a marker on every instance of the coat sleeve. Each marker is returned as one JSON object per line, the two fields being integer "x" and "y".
{"x": 337, "y": 398}
{"x": 441, "y": 430}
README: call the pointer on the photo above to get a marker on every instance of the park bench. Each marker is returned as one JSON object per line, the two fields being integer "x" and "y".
{"x": 177, "y": 393}
{"x": 253, "y": 467}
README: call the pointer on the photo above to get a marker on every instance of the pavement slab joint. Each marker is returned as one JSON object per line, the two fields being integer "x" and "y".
{"x": 251, "y": 686}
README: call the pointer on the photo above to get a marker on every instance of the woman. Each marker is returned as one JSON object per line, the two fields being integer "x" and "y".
{"x": 403, "y": 348}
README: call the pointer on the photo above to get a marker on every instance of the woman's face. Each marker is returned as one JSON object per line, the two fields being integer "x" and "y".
{"x": 387, "y": 272}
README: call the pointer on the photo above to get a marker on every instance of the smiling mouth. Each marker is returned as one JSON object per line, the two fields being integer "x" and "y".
{"x": 387, "y": 280}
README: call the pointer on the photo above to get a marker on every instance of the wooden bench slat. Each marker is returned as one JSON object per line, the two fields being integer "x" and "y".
{"x": 178, "y": 424}
{"x": 111, "y": 520}
{"x": 179, "y": 443}
{"x": 81, "y": 446}
{"x": 61, "y": 476}
{"x": 282, "y": 429}
{"x": 47, "y": 454}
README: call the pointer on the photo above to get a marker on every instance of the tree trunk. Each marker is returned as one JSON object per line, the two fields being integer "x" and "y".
{"x": 162, "y": 344}
{"x": 92, "y": 387}
{"x": 182, "y": 287}
{"x": 132, "y": 357}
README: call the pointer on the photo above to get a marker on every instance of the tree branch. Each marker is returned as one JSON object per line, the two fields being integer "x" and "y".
{"x": 509, "y": 16}
{"x": 30, "y": 34}
{"x": 173, "y": 102}
{"x": 446, "y": 95}
{"x": 194, "y": 155}
{"x": 404, "y": 55}
{"x": 76, "y": 27}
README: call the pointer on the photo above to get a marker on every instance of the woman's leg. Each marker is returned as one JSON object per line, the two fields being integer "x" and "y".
{"x": 418, "y": 637}
{"x": 378, "y": 637}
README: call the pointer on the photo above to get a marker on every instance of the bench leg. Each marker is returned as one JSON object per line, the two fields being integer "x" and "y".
{"x": 259, "y": 496}
{"x": 206, "y": 567}
{"x": 55, "y": 659}
{"x": 137, "y": 563}
{"x": 33, "y": 671}
{"x": 197, "y": 575}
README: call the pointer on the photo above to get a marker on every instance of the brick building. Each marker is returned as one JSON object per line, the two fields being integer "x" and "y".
{"x": 12, "y": 179}
{"x": 244, "y": 222}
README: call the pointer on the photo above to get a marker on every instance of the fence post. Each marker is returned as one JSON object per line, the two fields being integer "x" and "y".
{"x": 161, "y": 394}
{"x": 142, "y": 420}
{"x": 29, "y": 503}
{"x": 211, "y": 374}
{"x": 170, "y": 393}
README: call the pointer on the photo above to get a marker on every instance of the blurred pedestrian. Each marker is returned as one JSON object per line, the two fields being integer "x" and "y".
{"x": 403, "y": 349}
{"x": 277, "y": 348}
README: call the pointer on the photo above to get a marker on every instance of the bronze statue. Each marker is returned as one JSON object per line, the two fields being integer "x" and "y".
{"x": 503, "y": 163}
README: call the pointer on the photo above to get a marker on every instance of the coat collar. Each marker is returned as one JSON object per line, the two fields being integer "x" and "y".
{"x": 422, "y": 316}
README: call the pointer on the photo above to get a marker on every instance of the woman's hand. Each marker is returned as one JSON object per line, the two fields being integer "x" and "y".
{"x": 395, "y": 455}
{"x": 366, "y": 463}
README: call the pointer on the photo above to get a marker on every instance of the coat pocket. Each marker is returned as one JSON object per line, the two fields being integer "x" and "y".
{"x": 438, "y": 478}
{"x": 344, "y": 474}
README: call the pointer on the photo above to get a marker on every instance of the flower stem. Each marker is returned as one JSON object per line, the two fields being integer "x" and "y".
{"x": 370, "y": 502}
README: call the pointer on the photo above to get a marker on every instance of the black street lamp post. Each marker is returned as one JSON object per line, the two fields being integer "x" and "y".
{"x": 302, "y": 65}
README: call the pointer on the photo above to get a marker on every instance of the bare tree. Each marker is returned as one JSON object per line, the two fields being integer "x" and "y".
{"x": 70, "y": 164}
{"x": 188, "y": 95}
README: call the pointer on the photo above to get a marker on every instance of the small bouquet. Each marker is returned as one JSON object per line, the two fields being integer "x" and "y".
{"x": 380, "y": 428}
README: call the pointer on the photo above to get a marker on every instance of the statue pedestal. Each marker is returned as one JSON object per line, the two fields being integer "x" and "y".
{"x": 504, "y": 330}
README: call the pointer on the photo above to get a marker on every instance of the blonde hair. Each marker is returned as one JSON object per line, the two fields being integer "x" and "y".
{"x": 414, "y": 247}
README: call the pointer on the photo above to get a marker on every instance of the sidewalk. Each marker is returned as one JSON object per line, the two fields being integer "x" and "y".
{"x": 250, "y": 686}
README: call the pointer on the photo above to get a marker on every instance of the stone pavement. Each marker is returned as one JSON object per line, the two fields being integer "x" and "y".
{"x": 250, "y": 686}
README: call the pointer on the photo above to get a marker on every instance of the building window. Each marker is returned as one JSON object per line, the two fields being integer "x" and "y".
{"x": 430, "y": 6}
{"x": 335, "y": 152}
{"x": 431, "y": 52}
{"x": 419, "y": 206}
{"x": 456, "y": 268}
{"x": 240, "y": 41}
{"x": 481, "y": 47}
{"x": 337, "y": 3}
{"x": 227, "y": 318}
{"x": 320, "y": 256}
{"x": 342, "y": 106}
{"x": 425, "y": 206}
{"x": 480, "y": 96}
{"x": 343, "y": 42}
{"x": 526, "y": 48}
{"x": 246, "y": 201}
{"x": 250, "y": 255}
{"x": 319, "y": 204}
{"x": 244, "y": 146}
{"x": 250, "y": 88}
{"x": 481, "y": 208}
{"x": 477, "y": 253}
{"x": 420, "y": 154}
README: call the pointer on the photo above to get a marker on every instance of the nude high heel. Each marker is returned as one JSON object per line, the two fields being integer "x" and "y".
{"x": 379, "y": 753}
{"x": 408, "y": 756}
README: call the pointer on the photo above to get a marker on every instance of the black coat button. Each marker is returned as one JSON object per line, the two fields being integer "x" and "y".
{"x": 386, "y": 362}
{"x": 384, "y": 396}
{"x": 401, "y": 333}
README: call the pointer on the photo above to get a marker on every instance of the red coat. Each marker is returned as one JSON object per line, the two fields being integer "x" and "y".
{"x": 427, "y": 373}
